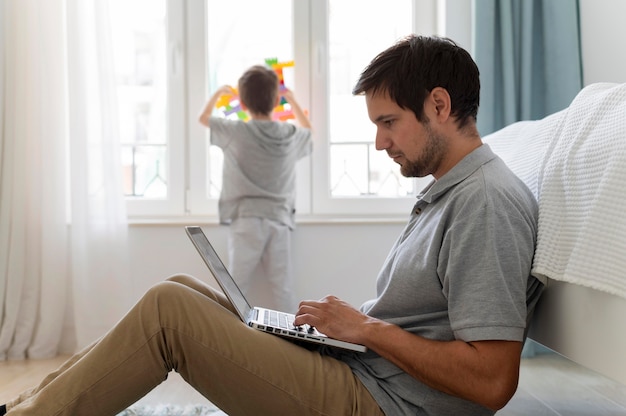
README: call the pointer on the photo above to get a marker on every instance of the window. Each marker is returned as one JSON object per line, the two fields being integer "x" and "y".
{"x": 353, "y": 177}
{"x": 172, "y": 54}
{"x": 147, "y": 41}
{"x": 356, "y": 168}
{"x": 140, "y": 70}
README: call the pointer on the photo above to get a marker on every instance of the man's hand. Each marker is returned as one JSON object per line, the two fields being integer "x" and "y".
{"x": 335, "y": 318}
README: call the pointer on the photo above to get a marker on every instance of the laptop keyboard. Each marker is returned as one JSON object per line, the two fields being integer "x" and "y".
{"x": 279, "y": 320}
{"x": 283, "y": 322}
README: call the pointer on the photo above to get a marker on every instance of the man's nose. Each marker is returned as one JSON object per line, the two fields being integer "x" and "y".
{"x": 381, "y": 141}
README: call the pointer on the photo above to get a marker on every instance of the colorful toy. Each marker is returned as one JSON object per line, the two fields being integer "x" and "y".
{"x": 230, "y": 104}
{"x": 281, "y": 112}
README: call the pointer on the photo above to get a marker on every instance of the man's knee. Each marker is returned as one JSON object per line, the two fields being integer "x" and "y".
{"x": 162, "y": 292}
{"x": 181, "y": 278}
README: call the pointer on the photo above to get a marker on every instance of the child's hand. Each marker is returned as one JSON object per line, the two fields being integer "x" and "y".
{"x": 226, "y": 90}
{"x": 205, "y": 115}
{"x": 301, "y": 117}
{"x": 288, "y": 94}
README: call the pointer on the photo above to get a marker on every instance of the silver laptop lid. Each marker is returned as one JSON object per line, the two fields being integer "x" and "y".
{"x": 221, "y": 274}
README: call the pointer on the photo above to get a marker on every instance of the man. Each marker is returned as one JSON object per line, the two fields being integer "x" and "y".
{"x": 445, "y": 332}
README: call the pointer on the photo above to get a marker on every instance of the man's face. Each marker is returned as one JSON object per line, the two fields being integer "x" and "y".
{"x": 413, "y": 145}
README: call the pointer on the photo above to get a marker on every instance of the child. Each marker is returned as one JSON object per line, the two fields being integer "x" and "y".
{"x": 258, "y": 185}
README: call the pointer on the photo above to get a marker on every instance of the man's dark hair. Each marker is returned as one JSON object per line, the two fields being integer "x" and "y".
{"x": 258, "y": 89}
{"x": 409, "y": 70}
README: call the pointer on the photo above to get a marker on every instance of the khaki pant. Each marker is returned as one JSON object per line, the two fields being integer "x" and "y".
{"x": 183, "y": 325}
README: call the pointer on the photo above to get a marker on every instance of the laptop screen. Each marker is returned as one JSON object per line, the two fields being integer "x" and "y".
{"x": 221, "y": 274}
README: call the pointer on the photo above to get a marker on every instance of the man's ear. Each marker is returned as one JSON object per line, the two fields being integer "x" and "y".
{"x": 441, "y": 103}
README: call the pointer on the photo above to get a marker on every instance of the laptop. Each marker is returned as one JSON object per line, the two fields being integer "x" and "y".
{"x": 267, "y": 320}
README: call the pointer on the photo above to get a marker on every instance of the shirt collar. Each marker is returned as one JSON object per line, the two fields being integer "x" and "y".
{"x": 461, "y": 171}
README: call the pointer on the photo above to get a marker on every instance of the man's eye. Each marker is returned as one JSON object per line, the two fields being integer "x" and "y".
{"x": 388, "y": 123}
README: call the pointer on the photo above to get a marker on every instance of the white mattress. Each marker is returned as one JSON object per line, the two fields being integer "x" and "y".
{"x": 574, "y": 161}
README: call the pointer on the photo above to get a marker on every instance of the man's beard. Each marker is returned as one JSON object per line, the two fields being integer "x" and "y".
{"x": 430, "y": 158}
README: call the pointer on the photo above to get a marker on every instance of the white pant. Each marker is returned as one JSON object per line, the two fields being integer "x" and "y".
{"x": 260, "y": 262}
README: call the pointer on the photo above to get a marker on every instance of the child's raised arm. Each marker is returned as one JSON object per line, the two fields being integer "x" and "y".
{"x": 301, "y": 117}
{"x": 208, "y": 108}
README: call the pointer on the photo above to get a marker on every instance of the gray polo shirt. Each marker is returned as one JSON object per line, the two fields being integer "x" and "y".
{"x": 459, "y": 270}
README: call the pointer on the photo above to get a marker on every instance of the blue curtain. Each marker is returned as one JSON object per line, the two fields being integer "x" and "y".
{"x": 529, "y": 57}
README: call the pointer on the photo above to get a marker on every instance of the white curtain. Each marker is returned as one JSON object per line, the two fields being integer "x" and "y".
{"x": 33, "y": 230}
{"x": 100, "y": 264}
{"x": 63, "y": 231}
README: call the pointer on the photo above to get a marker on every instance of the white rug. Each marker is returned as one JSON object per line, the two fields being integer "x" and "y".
{"x": 173, "y": 397}
{"x": 172, "y": 410}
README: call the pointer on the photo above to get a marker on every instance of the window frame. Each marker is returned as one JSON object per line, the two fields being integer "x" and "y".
{"x": 176, "y": 74}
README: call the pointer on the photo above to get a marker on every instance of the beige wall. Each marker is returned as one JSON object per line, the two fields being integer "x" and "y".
{"x": 603, "y": 28}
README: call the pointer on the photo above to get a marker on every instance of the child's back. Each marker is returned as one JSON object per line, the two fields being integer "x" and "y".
{"x": 259, "y": 168}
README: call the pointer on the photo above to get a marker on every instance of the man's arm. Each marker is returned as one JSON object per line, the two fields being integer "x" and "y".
{"x": 204, "y": 116}
{"x": 485, "y": 372}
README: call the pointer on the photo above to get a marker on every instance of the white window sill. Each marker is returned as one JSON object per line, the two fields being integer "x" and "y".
{"x": 300, "y": 220}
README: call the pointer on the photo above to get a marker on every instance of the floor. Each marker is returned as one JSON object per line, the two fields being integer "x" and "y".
{"x": 549, "y": 386}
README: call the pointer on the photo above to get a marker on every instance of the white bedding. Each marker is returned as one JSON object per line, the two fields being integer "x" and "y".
{"x": 574, "y": 161}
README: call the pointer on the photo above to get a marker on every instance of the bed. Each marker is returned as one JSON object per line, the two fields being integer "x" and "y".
{"x": 574, "y": 161}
